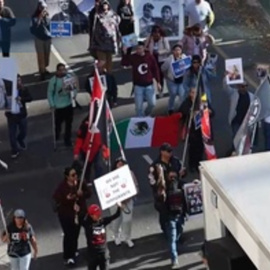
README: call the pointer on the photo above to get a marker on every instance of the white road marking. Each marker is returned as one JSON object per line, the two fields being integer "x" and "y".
{"x": 60, "y": 58}
{"x": 148, "y": 159}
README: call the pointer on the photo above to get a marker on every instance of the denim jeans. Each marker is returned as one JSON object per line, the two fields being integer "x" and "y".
{"x": 20, "y": 263}
{"x": 175, "y": 90}
{"x": 266, "y": 133}
{"x": 144, "y": 93}
{"x": 174, "y": 229}
{"x": 15, "y": 124}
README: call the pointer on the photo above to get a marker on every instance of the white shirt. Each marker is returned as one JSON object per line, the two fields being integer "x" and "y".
{"x": 197, "y": 13}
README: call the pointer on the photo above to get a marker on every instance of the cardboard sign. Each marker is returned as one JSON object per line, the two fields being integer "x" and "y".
{"x": 193, "y": 195}
{"x": 61, "y": 29}
{"x": 130, "y": 40}
{"x": 180, "y": 66}
{"x": 115, "y": 186}
{"x": 234, "y": 71}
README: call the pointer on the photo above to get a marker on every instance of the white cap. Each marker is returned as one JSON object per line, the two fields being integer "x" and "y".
{"x": 19, "y": 213}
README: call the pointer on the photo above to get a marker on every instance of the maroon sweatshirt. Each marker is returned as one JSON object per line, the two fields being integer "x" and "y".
{"x": 144, "y": 68}
{"x": 65, "y": 207}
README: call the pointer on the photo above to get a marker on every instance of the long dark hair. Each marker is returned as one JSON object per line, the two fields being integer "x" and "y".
{"x": 38, "y": 10}
{"x": 157, "y": 28}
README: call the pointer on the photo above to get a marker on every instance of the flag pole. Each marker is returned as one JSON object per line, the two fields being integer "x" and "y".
{"x": 116, "y": 133}
{"x": 190, "y": 120}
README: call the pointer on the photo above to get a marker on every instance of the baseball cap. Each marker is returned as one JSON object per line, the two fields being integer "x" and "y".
{"x": 19, "y": 213}
{"x": 94, "y": 210}
{"x": 166, "y": 147}
{"x": 148, "y": 6}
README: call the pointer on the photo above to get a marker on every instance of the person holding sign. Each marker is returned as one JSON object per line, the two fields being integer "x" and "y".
{"x": 124, "y": 222}
{"x": 40, "y": 29}
{"x": 174, "y": 83}
{"x": 95, "y": 231}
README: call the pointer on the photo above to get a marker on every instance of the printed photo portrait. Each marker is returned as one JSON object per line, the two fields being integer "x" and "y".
{"x": 234, "y": 71}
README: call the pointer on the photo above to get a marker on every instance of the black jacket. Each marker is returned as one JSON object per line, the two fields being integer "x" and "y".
{"x": 42, "y": 30}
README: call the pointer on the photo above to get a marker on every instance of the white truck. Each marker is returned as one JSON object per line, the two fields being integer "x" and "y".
{"x": 236, "y": 197}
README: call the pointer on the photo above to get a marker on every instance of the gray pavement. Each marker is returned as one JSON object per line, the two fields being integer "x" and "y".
{"x": 32, "y": 178}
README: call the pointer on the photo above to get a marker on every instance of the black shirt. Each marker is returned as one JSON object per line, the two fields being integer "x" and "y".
{"x": 242, "y": 108}
{"x": 19, "y": 245}
{"x": 96, "y": 232}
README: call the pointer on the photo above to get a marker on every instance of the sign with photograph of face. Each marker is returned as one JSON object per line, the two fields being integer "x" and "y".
{"x": 168, "y": 14}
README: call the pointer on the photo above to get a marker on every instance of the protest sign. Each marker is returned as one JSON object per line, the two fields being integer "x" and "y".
{"x": 8, "y": 74}
{"x": 168, "y": 14}
{"x": 262, "y": 70}
{"x": 61, "y": 29}
{"x": 130, "y": 40}
{"x": 234, "y": 71}
{"x": 180, "y": 66}
{"x": 70, "y": 83}
{"x": 115, "y": 186}
{"x": 193, "y": 196}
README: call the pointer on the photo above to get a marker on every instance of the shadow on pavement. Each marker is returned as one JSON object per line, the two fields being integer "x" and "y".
{"x": 150, "y": 252}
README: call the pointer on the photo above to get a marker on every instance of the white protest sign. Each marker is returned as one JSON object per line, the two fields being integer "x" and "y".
{"x": 234, "y": 71}
{"x": 115, "y": 186}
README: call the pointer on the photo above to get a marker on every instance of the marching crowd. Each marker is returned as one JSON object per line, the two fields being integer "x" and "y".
{"x": 151, "y": 66}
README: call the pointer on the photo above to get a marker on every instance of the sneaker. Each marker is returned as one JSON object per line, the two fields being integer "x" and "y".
{"x": 15, "y": 155}
{"x": 22, "y": 145}
{"x": 130, "y": 243}
{"x": 117, "y": 241}
{"x": 70, "y": 262}
{"x": 175, "y": 265}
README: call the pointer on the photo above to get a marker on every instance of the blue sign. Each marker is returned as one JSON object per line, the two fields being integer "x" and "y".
{"x": 61, "y": 29}
{"x": 180, "y": 66}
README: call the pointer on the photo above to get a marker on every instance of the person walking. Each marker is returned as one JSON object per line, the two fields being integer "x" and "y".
{"x": 18, "y": 121}
{"x": 174, "y": 84}
{"x": 70, "y": 206}
{"x": 60, "y": 102}
{"x": 122, "y": 226}
{"x": 7, "y": 20}
{"x": 106, "y": 35}
{"x": 40, "y": 29}
{"x": 20, "y": 237}
{"x": 95, "y": 231}
{"x": 158, "y": 45}
{"x": 145, "y": 70}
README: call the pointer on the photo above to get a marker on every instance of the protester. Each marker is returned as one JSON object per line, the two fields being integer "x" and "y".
{"x": 70, "y": 206}
{"x": 125, "y": 12}
{"x": 82, "y": 145}
{"x": 60, "y": 102}
{"x": 7, "y": 20}
{"x": 196, "y": 147}
{"x": 240, "y": 99}
{"x": 95, "y": 230}
{"x": 122, "y": 226}
{"x": 195, "y": 42}
{"x": 20, "y": 238}
{"x": 199, "y": 11}
{"x": 192, "y": 75}
{"x": 158, "y": 45}
{"x": 157, "y": 179}
{"x": 174, "y": 84}
{"x": 40, "y": 29}
{"x": 92, "y": 16}
{"x": 71, "y": 13}
{"x": 18, "y": 121}
{"x": 105, "y": 35}
{"x": 144, "y": 69}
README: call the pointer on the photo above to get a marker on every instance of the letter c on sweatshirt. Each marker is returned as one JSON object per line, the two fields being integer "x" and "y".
{"x": 143, "y": 68}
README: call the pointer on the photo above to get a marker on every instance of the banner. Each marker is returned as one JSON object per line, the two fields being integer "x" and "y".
{"x": 61, "y": 29}
{"x": 193, "y": 196}
{"x": 180, "y": 66}
{"x": 114, "y": 187}
{"x": 72, "y": 11}
{"x": 168, "y": 14}
{"x": 234, "y": 71}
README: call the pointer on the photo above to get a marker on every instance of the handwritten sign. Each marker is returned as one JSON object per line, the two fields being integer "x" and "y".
{"x": 193, "y": 195}
{"x": 61, "y": 29}
{"x": 115, "y": 186}
{"x": 179, "y": 67}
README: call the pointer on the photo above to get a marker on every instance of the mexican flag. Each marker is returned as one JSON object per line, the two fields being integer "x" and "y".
{"x": 147, "y": 132}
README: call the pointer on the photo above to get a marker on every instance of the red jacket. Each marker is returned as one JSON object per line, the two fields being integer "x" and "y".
{"x": 83, "y": 140}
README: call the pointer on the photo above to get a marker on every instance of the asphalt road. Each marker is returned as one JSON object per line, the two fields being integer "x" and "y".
{"x": 31, "y": 179}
